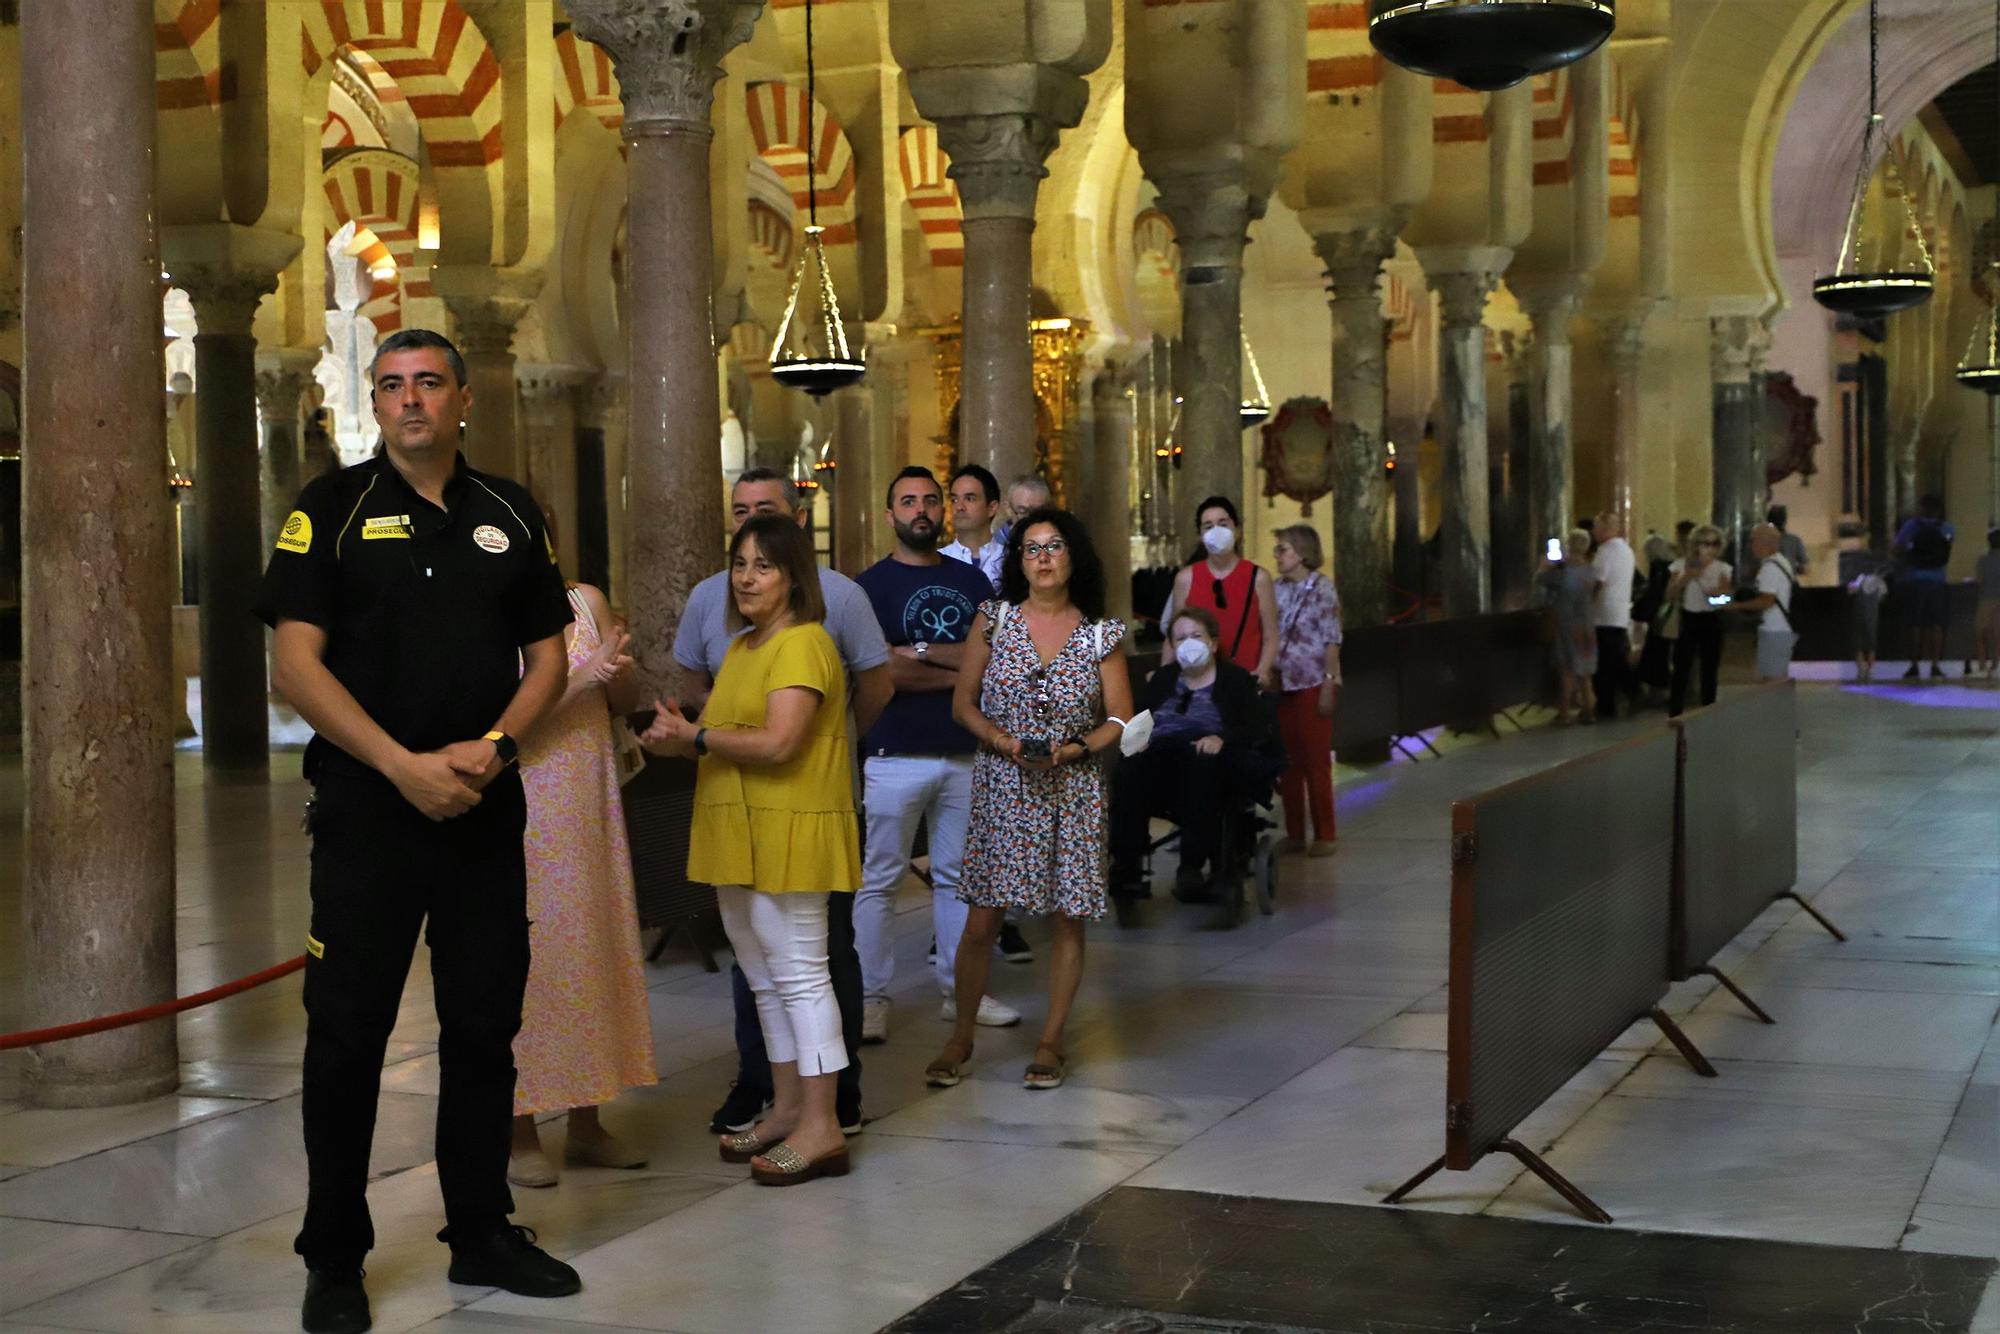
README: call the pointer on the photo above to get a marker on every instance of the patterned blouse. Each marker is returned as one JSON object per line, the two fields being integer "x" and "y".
{"x": 1308, "y": 621}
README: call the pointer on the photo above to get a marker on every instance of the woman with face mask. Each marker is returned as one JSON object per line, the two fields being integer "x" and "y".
{"x": 1239, "y": 593}
{"x": 1213, "y": 748}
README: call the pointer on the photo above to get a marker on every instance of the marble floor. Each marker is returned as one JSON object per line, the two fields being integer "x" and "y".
{"x": 1297, "y": 1058}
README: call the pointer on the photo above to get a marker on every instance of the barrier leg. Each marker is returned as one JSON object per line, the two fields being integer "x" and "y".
{"x": 1396, "y": 1196}
{"x": 1815, "y": 914}
{"x": 1555, "y": 1180}
{"x": 1737, "y": 992}
{"x": 1405, "y": 751}
{"x": 1508, "y": 715}
{"x": 1681, "y": 1043}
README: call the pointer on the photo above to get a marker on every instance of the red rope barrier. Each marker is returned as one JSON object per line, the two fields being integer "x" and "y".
{"x": 1416, "y": 605}
{"x": 63, "y": 1032}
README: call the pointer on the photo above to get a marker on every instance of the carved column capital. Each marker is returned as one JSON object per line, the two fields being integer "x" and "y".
{"x": 667, "y": 55}
{"x": 1625, "y": 342}
{"x": 1462, "y": 296}
{"x": 484, "y": 325}
{"x": 1737, "y": 348}
{"x": 599, "y": 401}
{"x": 1549, "y": 307}
{"x": 1354, "y": 258}
{"x": 998, "y": 161}
{"x": 1211, "y": 210}
{"x": 280, "y": 390}
{"x": 225, "y": 298}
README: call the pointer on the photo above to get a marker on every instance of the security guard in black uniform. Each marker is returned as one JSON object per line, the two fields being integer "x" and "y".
{"x": 419, "y": 616}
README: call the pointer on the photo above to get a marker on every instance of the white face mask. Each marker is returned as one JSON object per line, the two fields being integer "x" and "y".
{"x": 1191, "y": 654}
{"x": 1218, "y": 540}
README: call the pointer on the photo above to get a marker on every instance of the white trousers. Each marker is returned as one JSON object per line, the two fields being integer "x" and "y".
{"x": 900, "y": 789}
{"x": 780, "y": 944}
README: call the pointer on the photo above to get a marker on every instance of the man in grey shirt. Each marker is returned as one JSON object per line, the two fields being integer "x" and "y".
{"x": 700, "y": 644}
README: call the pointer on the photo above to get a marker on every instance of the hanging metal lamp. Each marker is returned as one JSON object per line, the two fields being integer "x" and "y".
{"x": 1980, "y": 368}
{"x": 1256, "y": 405}
{"x": 810, "y": 350}
{"x": 1858, "y": 287}
{"x": 1487, "y": 45}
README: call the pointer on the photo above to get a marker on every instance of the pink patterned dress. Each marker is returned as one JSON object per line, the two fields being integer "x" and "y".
{"x": 586, "y": 1032}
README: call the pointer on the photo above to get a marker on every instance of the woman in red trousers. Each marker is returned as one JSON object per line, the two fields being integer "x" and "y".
{"x": 1308, "y": 674}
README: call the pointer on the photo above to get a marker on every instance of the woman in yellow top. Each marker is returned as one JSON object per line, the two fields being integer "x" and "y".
{"x": 774, "y": 832}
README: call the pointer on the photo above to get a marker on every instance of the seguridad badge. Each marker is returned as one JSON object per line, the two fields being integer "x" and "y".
{"x": 297, "y": 534}
{"x": 490, "y": 538}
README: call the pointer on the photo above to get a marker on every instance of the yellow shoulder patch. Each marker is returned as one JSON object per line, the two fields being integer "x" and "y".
{"x": 314, "y": 948}
{"x": 297, "y": 534}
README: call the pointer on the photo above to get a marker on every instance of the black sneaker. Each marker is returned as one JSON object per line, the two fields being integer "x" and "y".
{"x": 847, "y": 1108}
{"x": 1014, "y": 947}
{"x": 740, "y": 1110}
{"x": 1911, "y": 675}
{"x": 508, "y": 1259}
{"x": 1937, "y": 672}
{"x": 336, "y": 1303}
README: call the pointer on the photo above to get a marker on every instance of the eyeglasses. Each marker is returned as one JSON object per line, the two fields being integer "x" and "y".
{"x": 1055, "y": 546}
{"x": 1220, "y": 595}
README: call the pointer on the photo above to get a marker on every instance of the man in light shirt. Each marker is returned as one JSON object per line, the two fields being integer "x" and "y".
{"x": 1776, "y": 583}
{"x": 1025, "y": 493}
{"x": 1614, "y": 564}
{"x": 975, "y": 502}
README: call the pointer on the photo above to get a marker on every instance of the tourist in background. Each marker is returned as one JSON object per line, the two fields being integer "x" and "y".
{"x": 1986, "y": 619}
{"x": 1308, "y": 677}
{"x": 586, "y": 1032}
{"x": 1238, "y": 591}
{"x": 1043, "y": 687}
{"x": 1776, "y": 587}
{"x": 1699, "y": 579}
{"x": 975, "y": 503}
{"x": 1790, "y": 545}
{"x": 774, "y": 832}
{"x": 1569, "y": 586}
{"x": 1026, "y": 492}
{"x": 916, "y": 761}
{"x": 1867, "y": 590}
{"x": 1924, "y": 546}
{"x": 1650, "y": 612}
{"x": 1615, "y": 565}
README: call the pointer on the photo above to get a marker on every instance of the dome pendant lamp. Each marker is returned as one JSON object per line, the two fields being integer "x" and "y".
{"x": 1854, "y": 288}
{"x": 1256, "y": 404}
{"x": 1981, "y": 368}
{"x": 810, "y": 351}
{"x": 1487, "y": 45}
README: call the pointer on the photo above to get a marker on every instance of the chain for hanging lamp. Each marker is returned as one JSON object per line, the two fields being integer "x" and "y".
{"x": 1255, "y": 408}
{"x": 1487, "y": 45}
{"x": 1980, "y": 368}
{"x": 811, "y": 353}
{"x": 1871, "y": 293}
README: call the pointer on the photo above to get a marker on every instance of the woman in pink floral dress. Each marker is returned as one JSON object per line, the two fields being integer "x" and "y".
{"x": 586, "y": 1032}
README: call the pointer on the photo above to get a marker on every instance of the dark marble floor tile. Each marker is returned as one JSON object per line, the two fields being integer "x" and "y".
{"x": 1141, "y": 1261}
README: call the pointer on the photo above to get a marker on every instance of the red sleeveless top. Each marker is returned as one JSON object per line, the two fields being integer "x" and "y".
{"x": 1234, "y": 602}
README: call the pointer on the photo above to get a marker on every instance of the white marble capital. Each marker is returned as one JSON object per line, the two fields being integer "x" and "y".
{"x": 667, "y": 55}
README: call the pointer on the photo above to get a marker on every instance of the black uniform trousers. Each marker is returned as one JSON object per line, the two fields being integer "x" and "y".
{"x": 380, "y": 872}
{"x": 1700, "y": 640}
{"x": 1614, "y": 670}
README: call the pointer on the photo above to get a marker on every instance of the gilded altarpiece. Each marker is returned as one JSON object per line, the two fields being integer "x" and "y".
{"x": 1058, "y": 378}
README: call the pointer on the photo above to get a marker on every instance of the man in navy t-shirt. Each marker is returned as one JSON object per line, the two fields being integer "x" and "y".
{"x": 917, "y": 762}
{"x": 1924, "y": 544}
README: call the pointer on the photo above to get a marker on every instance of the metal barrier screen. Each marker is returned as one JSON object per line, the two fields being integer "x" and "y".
{"x": 1444, "y": 669}
{"x": 1365, "y": 706}
{"x": 1522, "y": 665}
{"x": 1739, "y": 794}
{"x": 1558, "y": 930}
{"x": 659, "y": 813}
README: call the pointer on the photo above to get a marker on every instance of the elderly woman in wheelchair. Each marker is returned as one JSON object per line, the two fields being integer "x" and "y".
{"x": 1215, "y": 755}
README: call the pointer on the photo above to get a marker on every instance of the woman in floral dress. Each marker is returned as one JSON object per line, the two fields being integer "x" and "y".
{"x": 1043, "y": 687}
{"x": 586, "y": 1031}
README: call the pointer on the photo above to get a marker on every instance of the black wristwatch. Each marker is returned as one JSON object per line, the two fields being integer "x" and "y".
{"x": 701, "y": 741}
{"x": 504, "y": 747}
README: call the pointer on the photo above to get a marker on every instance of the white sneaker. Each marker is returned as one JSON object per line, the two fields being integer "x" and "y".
{"x": 992, "y": 1013}
{"x": 874, "y": 1022}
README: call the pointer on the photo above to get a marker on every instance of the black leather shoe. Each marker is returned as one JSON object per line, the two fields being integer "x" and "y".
{"x": 336, "y": 1303}
{"x": 1014, "y": 946}
{"x": 740, "y": 1110}
{"x": 509, "y": 1260}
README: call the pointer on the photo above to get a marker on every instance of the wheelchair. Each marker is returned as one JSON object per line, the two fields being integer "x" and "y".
{"x": 1246, "y": 860}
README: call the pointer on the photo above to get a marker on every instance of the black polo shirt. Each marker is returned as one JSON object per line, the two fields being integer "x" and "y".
{"x": 426, "y": 609}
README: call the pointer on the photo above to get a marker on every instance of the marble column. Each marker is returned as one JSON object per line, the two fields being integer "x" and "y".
{"x": 1625, "y": 350}
{"x": 1108, "y": 501}
{"x": 483, "y": 327}
{"x": 281, "y": 387}
{"x": 235, "y": 718}
{"x": 1551, "y": 393}
{"x": 1211, "y": 212}
{"x": 1361, "y": 551}
{"x": 1992, "y": 462}
{"x": 1463, "y": 281}
{"x": 548, "y": 447}
{"x": 667, "y": 55}
{"x": 1737, "y": 346}
{"x": 997, "y": 163}
{"x": 98, "y": 832}
{"x": 858, "y": 488}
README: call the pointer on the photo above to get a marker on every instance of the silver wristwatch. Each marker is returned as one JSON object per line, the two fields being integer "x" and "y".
{"x": 923, "y": 650}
